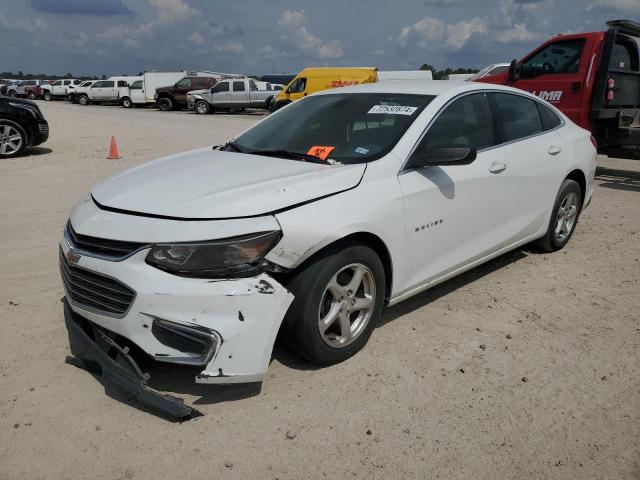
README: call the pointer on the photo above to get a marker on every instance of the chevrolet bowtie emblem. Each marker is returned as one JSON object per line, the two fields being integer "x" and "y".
{"x": 72, "y": 257}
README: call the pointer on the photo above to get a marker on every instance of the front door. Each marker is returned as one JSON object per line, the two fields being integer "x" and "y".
{"x": 454, "y": 214}
{"x": 221, "y": 94}
{"x": 137, "y": 92}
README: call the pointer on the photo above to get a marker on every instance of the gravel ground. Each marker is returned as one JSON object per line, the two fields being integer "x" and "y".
{"x": 526, "y": 367}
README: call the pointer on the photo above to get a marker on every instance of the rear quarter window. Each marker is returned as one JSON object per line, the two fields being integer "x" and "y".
{"x": 550, "y": 119}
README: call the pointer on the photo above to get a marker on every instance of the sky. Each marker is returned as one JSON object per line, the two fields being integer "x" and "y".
{"x": 115, "y": 37}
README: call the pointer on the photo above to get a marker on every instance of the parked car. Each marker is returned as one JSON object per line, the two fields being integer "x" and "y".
{"x": 310, "y": 222}
{"x": 175, "y": 96}
{"x": 112, "y": 90}
{"x": 80, "y": 92}
{"x": 230, "y": 95}
{"x": 143, "y": 92}
{"x": 59, "y": 88}
{"x": 594, "y": 78}
{"x": 493, "y": 69}
{"x": 24, "y": 88}
{"x": 21, "y": 125}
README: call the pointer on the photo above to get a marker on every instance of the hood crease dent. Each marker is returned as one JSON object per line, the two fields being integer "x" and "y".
{"x": 206, "y": 184}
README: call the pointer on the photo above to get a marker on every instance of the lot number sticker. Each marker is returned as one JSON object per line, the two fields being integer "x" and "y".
{"x": 321, "y": 151}
{"x": 393, "y": 109}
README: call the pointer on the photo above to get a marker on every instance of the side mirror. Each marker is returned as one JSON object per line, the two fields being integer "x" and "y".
{"x": 211, "y": 89}
{"x": 443, "y": 156}
{"x": 514, "y": 70}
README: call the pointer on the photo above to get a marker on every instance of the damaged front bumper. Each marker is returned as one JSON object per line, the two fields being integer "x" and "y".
{"x": 94, "y": 350}
{"x": 227, "y": 327}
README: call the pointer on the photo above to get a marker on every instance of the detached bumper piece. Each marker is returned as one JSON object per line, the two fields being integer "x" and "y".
{"x": 93, "y": 350}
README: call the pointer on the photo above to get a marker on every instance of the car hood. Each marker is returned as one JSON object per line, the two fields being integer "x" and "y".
{"x": 198, "y": 92}
{"x": 211, "y": 184}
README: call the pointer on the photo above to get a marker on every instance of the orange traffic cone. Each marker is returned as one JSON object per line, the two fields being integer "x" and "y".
{"x": 114, "y": 154}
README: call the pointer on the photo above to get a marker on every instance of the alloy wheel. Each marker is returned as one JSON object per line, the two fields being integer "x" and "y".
{"x": 567, "y": 216}
{"x": 347, "y": 305}
{"x": 10, "y": 140}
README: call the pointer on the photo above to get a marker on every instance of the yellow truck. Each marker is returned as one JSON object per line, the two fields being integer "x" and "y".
{"x": 312, "y": 80}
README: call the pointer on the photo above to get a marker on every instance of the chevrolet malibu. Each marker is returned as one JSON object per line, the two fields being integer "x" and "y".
{"x": 313, "y": 220}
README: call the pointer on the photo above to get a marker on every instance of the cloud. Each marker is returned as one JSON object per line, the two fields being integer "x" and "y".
{"x": 81, "y": 7}
{"x": 627, "y": 6}
{"x": 518, "y": 34}
{"x": 196, "y": 38}
{"x": 231, "y": 47}
{"x": 296, "y": 33}
{"x": 430, "y": 30}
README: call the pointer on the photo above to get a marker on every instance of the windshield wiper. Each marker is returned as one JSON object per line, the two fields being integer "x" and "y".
{"x": 305, "y": 157}
{"x": 229, "y": 146}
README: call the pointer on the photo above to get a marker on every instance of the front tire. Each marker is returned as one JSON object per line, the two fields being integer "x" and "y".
{"x": 83, "y": 100}
{"x": 202, "y": 107}
{"x": 338, "y": 300}
{"x": 13, "y": 139}
{"x": 564, "y": 217}
{"x": 47, "y": 96}
{"x": 126, "y": 102}
{"x": 32, "y": 96}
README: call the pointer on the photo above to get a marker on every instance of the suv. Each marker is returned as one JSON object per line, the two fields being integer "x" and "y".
{"x": 79, "y": 92}
{"x": 21, "y": 124}
{"x": 59, "y": 88}
{"x": 112, "y": 90}
{"x": 175, "y": 96}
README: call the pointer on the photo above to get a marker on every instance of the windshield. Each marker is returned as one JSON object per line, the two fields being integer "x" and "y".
{"x": 346, "y": 128}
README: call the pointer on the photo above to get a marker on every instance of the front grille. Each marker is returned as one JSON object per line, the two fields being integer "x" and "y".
{"x": 97, "y": 292}
{"x": 101, "y": 247}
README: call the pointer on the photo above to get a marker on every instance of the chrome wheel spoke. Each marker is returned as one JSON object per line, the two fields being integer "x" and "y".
{"x": 355, "y": 282}
{"x": 7, "y": 130}
{"x": 3, "y": 148}
{"x": 362, "y": 304}
{"x": 14, "y": 138}
{"x": 345, "y": 326}
{"x": 337, "y": 290}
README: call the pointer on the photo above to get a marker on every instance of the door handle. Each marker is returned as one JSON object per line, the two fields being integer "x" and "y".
{"x": 497, "y": 167}
{"x": 553, "y": 150}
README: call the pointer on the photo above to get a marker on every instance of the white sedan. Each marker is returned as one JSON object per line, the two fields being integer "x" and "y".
{"x": 313, "y": 220}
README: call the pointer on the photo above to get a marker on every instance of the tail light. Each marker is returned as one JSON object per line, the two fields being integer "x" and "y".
{"x": 611, "y": 85}
{"x": 594, "y": 141}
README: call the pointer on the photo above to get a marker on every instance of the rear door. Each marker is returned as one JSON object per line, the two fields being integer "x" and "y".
{"x": 239, "y": 93}
{"x": 527, "y": 131}
{"x": 556, "y": 72}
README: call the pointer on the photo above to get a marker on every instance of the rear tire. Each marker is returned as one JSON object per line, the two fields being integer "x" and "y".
{"x": 564, "y": 217}
{"x": 13, "y": 139}
{"x": 165, "y": 104}
{"x": 333, "y": 313}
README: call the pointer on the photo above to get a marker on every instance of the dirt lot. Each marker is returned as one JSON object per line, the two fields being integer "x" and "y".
{"x": 554, "y": 393}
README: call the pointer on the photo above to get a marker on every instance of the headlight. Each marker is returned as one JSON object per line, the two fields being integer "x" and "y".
{"x": 32, "y": 108}
{"x": 236, "y": 256}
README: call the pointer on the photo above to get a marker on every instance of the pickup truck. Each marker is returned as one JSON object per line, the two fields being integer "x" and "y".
{"x": 594, "y": 78}
{"x": 175, "y": 96}
{"x": 233, "y": 94}
{"x": 25, "y": 88}
{"x": 112, "y": 90}
{"x": 59, "y": 88}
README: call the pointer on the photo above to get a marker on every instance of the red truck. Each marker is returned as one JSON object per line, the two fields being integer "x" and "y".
{"x": 593, "y": 78}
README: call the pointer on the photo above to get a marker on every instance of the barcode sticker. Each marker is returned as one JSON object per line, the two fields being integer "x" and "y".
{"x": 393, "y": 109}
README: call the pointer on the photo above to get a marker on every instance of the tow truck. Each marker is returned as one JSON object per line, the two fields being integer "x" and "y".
{"x": 593, "y": 78}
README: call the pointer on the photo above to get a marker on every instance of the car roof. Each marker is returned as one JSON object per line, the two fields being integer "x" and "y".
{"x": 422, "y": 87}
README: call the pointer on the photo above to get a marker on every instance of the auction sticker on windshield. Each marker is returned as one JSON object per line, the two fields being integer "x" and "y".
{"x": 393, "y": 109}
{"x": 322, "y": 152}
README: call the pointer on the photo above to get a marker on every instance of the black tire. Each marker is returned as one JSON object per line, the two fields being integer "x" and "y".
{"x": 552, "y": 241}
{"x": 83, "y": 100}
{"x": 165, "y": 104}
{"x": 202, "y": 107}
{"x": 309, "y": 284}
{"x": 20, "y": 131}
{"x": 47, "y": 96}
{"x": 126, "y": 102}
{"x": 32, "y": 95}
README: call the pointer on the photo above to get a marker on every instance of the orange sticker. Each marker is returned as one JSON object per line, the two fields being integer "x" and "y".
{"x": 322, "y": 152}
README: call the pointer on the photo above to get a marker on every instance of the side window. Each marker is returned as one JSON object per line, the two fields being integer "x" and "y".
{"x": 67, "y": 82}
{"x": 59, "y": 82}
{"x": 98, "y": 85}
{"x": 298, "y": 85}
{"x": 122, "y": 83}
{"x": 221, "y": 87}
{"x": 624, "y": 56}
{"x": 137, "y": 85}
{"x": 557, "y": 58}
{"x": 549, "y": 118}
{"x": 238, "y": 86}
{"x": 518, "y": 116}
{"x": 185, "y": 82}
{"x": 464, "y": 123}
{"x": 110, "y": 84}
